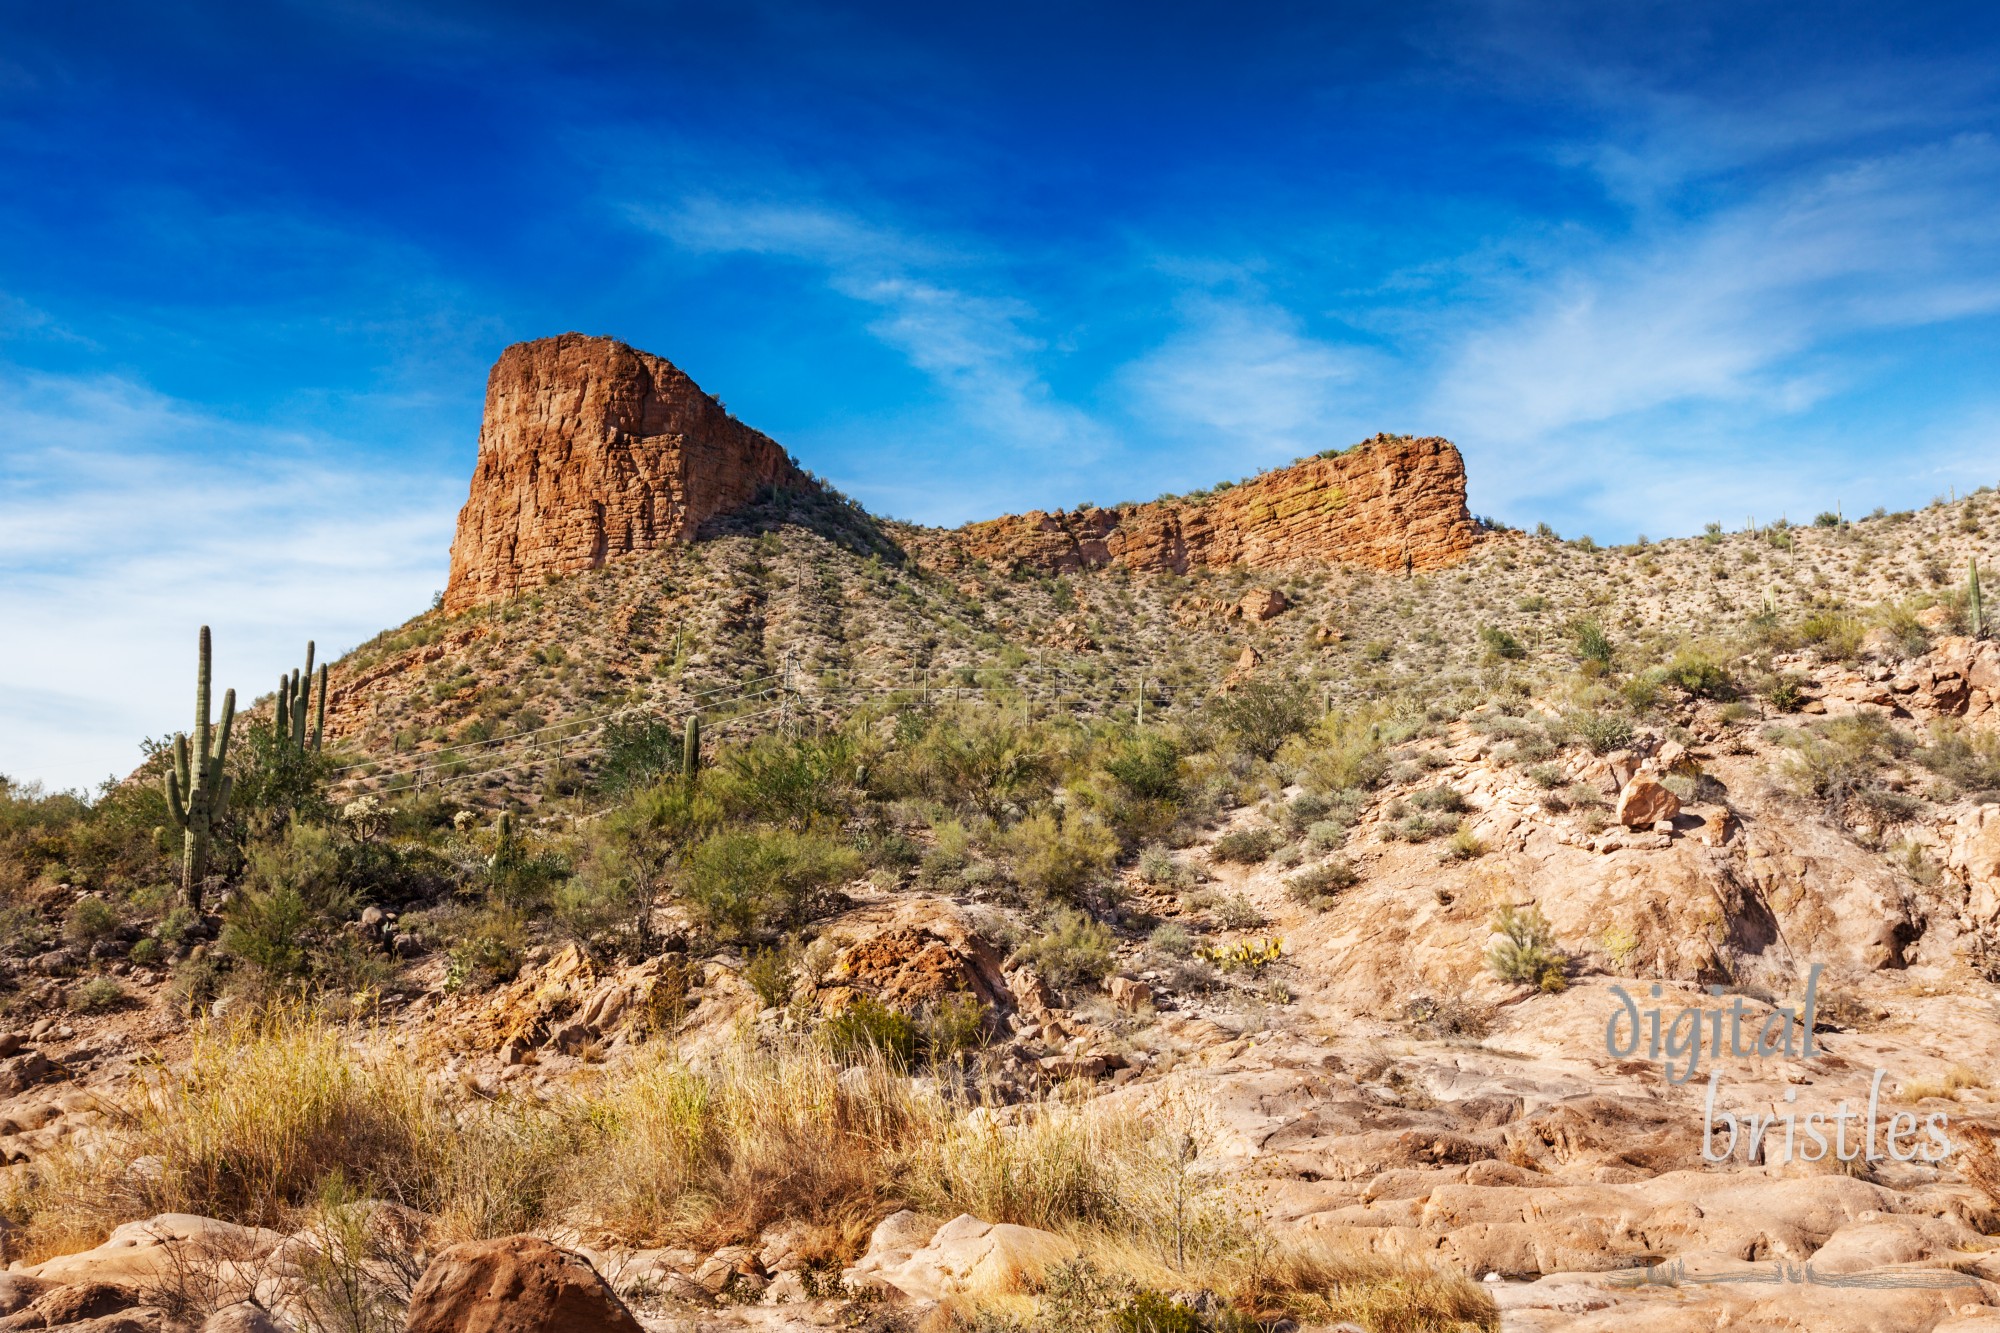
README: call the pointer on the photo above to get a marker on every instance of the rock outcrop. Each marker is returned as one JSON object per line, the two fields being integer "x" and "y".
{"x": 517, "y": 1284}
{"x": 1390, "y": 503}
{"x": 592, "y": 449}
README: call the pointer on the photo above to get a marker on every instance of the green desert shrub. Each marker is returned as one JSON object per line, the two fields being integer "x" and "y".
{"x": 1321, "y": 884}
{"x": 1246, "y": 846}
{"x": 1500, "y": 646}
{"x": 868, "y": 1029}
{"x": 746, "y": 882}
{"x": 1261, "y": 715}
{"x": 1601, "y": 730}
{"x": 1070, "y": 950}
{"x": 1700, "y": 675}
{"x": 1526, "y": 951}
{"x": 1592, "y": 645}
{"x": 1060, "y": 854}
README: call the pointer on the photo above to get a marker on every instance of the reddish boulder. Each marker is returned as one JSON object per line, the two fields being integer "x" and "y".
{"x": 1645, "y": 802}
{"x": 517, "y": 1284}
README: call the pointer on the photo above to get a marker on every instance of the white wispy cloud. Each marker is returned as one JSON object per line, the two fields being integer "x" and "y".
{"x": 1240, "y": 382}
{"x": 972, "y": 338}
{"x": 1720, "y": 309}
{"x": 128, "y": 519}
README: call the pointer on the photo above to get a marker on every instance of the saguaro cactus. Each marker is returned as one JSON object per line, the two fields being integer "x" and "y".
{"x": 1975, "y": 610}
{"x": 297, "y": 700}
{"x": 691, "y": 748}
{"x": 197, "y": 787}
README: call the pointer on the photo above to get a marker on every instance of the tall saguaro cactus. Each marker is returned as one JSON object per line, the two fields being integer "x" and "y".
{"x": 1975, "y": 609}
{"x": 691, "y": 749}
{"x": 296, "y": 701}
{"x": 197, "y": 787}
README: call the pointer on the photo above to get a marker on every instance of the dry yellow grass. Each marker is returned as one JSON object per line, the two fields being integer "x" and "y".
{"x": 269, "y": 1120}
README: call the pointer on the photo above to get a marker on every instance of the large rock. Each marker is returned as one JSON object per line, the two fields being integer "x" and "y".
{"x": 1645, "y": 802}
{"x": 1973, "y": 856}
{"x": 965, "y": 1255}
{"x": 592, "y": 449}
{"x": 1390, "y": 503}
{"x": 517, "y": 1284}
{"x": 243, "y": 1317}
{"x": 142, "y": 1255}
{"x": 917, "y": 959}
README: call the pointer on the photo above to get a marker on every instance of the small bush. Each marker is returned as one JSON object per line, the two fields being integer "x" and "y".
{"x": 1700, "y": 676}
{"x": 1527, "y": 953}
{"x": 1061, "y": 855}
{"x": 1786, "y": 693}
{"x": 1835, "y": 634}
{"x": 745, "y": 881}
{"x": 1246, "y": 846}
{"x": 1263, "y": 714}
{"x": 1171, "y": 939}
{"x": 1327, "y": 835}
{"x": 1237, "y": 913}
{"x": 97, "y": 995}
{"x": 1462, "y": 846}
{"x": 1319, "y": 886}
{"x": 771, "y": 975}
{"x": 1071, "y": 951}
{"x": 1441, "y": 798}
{"x": 1448, "y": 1018}
{"x": 1148, "y": 766}
{"x": 88, "y": 921}
{"x": 1546, "y": 776}
{"x": 1500, "y": 645}
{"x": 1591, "y": 643}
{"x": 868, "y": 1028}
{"x": 1603, "y": 732}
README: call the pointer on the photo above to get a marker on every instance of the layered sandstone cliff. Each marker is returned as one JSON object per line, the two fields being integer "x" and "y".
{"x": 1391, "y": 503}
{"x": 592, "y": 449}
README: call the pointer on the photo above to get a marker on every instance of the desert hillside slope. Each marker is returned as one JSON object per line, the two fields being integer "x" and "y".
{"x": 1184, "y": 916}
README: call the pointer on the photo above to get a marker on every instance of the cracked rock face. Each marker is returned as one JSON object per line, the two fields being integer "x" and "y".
{"x": 591, "y": 449}
{"x": 1391, "y": 503}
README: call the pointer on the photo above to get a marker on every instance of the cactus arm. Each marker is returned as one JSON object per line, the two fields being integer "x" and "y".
{"x": 201, "y": 732}
{"x": 282, "y": 719}
{"x": 691, "y": 748}
{"x": 319, "y": 716}
{"x": 220, "y": 808}
{"x": 176, "y": 804}
{"x": 222, "y": 736}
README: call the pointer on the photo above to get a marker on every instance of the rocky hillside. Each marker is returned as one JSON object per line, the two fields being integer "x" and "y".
{"x": 1062, "y": 926}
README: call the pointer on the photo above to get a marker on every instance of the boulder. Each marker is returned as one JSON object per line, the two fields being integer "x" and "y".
{"x": 1973, "y": 857}
{"x": 1262, "y": 604}
{"x": 144, "y": 1254}
{"x": 1645, "y": 802}
{"x": 965, "y": 1255}
{"x": 516, "y": 1284}
{"x": 1128, "y": 994}
{"x": 243, "y": 1317}
{"x": 60, "y": 1306}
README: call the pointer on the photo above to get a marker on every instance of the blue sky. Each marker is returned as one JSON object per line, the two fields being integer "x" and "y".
{"x": 1648, "y": 266}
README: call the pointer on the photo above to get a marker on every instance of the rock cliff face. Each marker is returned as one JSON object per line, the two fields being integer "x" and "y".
{"x": 592, "y": 449}
{"x": 1390, "y": 503}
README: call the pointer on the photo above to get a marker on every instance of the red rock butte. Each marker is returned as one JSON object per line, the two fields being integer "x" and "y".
{"x": 591, "y": 449}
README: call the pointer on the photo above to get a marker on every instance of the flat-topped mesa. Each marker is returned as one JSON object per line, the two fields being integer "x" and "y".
{"x": 1390, "y": 503}
{"x": 592, "y": 449}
